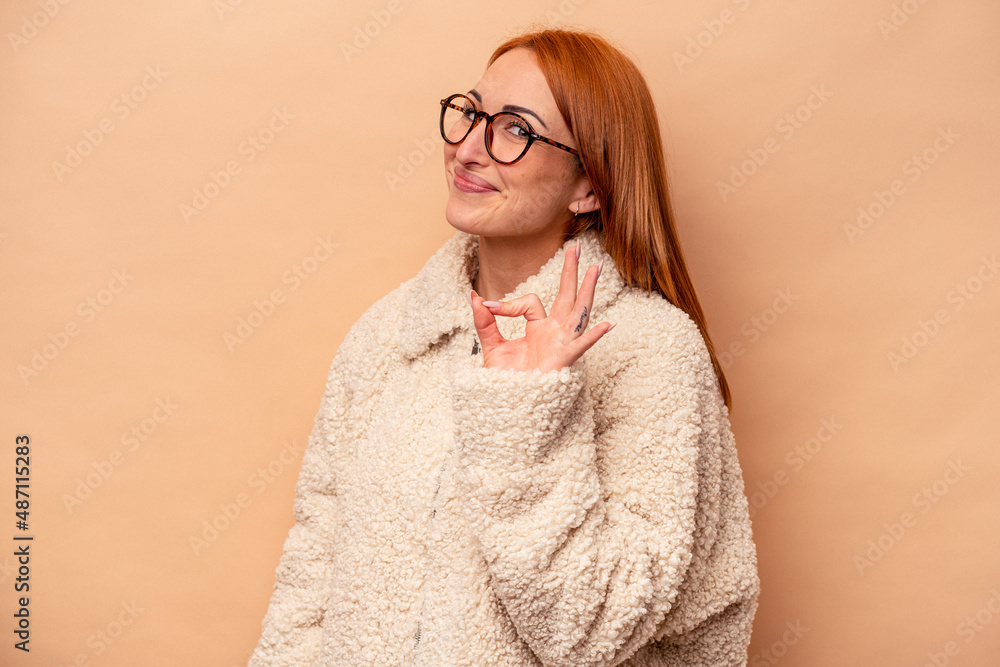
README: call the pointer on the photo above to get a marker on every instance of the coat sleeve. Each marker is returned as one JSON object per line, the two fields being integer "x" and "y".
{"x": 601, "y": 528}
{"x": 291, "y": 629}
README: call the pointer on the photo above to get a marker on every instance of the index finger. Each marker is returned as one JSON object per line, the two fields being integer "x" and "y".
{"x": 568, "y": 283}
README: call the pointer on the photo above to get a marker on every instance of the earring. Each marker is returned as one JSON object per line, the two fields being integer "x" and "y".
{"x": 577, "y": 210}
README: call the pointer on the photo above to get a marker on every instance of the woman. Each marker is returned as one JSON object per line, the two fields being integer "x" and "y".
{"x": 492, "y": 481}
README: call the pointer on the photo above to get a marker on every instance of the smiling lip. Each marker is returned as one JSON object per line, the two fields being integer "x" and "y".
{"x": 471, "y": 183}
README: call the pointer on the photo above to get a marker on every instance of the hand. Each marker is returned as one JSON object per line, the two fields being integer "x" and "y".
{"x": 550, "y": 342}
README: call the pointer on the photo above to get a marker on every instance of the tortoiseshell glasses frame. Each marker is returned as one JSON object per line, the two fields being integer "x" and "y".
{"x": 532, "y": 136}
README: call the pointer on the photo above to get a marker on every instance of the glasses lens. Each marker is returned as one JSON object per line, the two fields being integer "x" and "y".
{"x": 508, "y": 137}
{"x": 457, "y": 118}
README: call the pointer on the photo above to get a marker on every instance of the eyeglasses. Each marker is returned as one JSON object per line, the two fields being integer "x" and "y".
{"x": 508, "y": 135}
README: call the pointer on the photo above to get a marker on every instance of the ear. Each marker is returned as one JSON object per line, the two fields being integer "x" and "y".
{"x": 586, "y": 204}
{"x": 583, "y": 194}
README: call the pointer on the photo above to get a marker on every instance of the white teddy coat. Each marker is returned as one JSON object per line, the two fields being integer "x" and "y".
{"x": 450, "y": 514}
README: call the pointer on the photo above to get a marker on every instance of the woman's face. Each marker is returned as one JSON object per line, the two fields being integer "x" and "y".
{"x": 536, "y": 196}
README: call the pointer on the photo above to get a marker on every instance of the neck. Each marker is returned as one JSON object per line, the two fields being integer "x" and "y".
{"x": 507, "y": 261}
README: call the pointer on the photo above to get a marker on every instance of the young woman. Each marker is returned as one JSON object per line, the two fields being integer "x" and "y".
{"x": 490, "y": 479}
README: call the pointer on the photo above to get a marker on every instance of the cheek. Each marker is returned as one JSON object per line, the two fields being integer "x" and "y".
{"x": 539, "y": 192}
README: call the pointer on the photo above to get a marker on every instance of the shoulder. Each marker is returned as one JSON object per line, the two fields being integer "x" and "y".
{"x": 375, "y": 334}
{"x": 655, "y": 364}
{"x": 420, "y": 310}
{"x": 651, "y": 331}
{"x": 656, "y": 358}
{"x": 412, "y": 316}
{"x": 367, "y": 353}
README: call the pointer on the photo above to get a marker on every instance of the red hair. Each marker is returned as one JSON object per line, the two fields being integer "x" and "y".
{"x": 606, "y": 103}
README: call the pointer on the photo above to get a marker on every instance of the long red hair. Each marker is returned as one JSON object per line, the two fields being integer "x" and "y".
{"x": 606, "y": 103}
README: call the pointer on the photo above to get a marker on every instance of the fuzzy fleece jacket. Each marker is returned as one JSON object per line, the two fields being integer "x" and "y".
{"x": 449, "y": 514}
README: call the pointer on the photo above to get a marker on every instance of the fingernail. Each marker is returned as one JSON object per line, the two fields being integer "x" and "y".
{"x": 492, "y": 304}
{"x": 600, "y": 267}
{"x": 611, "y": 327}
{"x": 577, "y": 250}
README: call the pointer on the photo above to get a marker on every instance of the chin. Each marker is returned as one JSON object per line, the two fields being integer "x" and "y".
{"x": 461, "y": 217}
{"x": 469, "y": 216}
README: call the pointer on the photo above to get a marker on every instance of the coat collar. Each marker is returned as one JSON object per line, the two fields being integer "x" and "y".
{"x": 436, "y": 300}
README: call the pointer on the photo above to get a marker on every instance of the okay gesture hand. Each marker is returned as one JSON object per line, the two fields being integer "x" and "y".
{"x": 552, "y": 341}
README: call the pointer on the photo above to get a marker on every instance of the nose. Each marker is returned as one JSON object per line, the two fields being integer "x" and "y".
{"x": 473, "y": 147}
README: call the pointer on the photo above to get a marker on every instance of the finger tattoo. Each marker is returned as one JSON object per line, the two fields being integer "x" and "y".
{"x": 583, "y": 316}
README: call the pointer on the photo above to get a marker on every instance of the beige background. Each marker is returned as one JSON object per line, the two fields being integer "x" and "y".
{"x": 873, "y": 477}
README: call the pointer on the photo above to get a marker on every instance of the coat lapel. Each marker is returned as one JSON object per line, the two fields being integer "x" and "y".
{"x": 436, "y": 300}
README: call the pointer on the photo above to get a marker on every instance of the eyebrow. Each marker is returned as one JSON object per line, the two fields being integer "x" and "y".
{"x": 511, "y": 107}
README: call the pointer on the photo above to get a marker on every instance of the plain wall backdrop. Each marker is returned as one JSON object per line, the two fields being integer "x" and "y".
{"x": 199, "y": 197}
